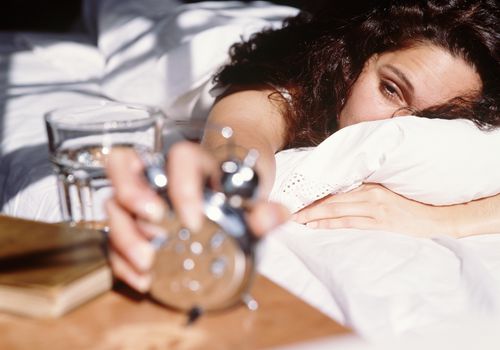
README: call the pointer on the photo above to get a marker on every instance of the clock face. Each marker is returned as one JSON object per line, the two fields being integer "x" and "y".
{"x": 206, "y": 269}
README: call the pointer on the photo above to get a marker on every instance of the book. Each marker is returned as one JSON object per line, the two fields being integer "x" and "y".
{"x": 47, "y": 269}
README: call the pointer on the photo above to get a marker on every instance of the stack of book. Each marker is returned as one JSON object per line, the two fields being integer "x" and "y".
{"x": 49, "y": 269}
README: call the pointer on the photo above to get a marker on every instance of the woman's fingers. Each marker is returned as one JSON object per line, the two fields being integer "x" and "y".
{"x": 333, "y": 210}
{"x": 188, "y": 167}
{"x": 124, "y": 271}
{"x": 358, "y": 222}
{"x": 362, "y": 201}
{"x": 150, "y": 230}
{"x": 125, "y": 170}
{"x": 126, "y": 239}
{"x": 360, "y": 208}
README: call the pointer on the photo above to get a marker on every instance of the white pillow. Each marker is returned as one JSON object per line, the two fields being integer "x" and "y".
{"x": 433, "y": 161}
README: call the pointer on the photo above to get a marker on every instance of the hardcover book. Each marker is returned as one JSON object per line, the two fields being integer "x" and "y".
{"x": 48, "y": 269}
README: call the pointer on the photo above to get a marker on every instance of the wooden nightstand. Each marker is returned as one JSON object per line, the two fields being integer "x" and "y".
{"x": 118, "y": 320}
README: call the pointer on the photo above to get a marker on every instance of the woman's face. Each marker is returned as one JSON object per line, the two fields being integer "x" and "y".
{"x": 417, "y": 78}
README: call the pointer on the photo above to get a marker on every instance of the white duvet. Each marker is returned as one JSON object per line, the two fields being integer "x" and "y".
{"x": 379, "y": 283}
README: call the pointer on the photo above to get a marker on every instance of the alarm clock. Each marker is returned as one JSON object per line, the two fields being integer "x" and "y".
{"x": 212, "y": 268}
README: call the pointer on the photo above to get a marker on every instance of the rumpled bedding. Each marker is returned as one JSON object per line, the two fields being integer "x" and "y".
{"x": 385, "y": 283}
{"x": 157, "y": 52}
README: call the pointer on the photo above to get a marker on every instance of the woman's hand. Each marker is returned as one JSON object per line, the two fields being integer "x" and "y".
{"x": 372, "y": 206}
{"x": 136, "y": 210}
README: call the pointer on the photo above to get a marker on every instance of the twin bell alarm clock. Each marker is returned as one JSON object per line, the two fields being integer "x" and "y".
{"x": 212, "y": 268}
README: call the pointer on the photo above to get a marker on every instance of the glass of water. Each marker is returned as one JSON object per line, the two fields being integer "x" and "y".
{"x": 80, "y": 139}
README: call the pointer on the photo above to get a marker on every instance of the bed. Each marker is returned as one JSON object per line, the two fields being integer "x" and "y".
{"x": 156, "y": 52}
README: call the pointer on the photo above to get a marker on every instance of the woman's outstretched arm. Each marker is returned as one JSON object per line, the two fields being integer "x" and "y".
{"x": 257, "y": 121}
{"x": 135, "y": 210}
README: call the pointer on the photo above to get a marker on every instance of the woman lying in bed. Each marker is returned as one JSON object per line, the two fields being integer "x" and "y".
{"x": 295, "y": 86}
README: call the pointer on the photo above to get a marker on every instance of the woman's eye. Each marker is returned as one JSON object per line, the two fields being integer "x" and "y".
{"x": 391, "y": 91}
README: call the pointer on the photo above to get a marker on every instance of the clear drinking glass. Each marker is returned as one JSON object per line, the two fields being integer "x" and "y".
{"x": 80, "y": 139}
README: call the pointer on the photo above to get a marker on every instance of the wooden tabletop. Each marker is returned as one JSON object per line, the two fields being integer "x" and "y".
{"x": 121, "y": 320}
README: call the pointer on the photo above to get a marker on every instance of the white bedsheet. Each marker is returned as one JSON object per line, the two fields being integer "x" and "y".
{"x": 42, "y": 72}
{"x": 379, "y": 283}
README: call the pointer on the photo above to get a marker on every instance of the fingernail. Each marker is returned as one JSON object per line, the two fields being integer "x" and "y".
{"x": 142, "y": 256}
{"x": 312, "y": 224}
{"x": 141, "y": 283}
{"x": 152, "y": 229}
{"x": 152, "y": 211}
{"x": 191, "y": 217}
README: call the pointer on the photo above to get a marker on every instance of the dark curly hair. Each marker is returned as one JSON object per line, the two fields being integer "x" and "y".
{"x": 317, "y": 58}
